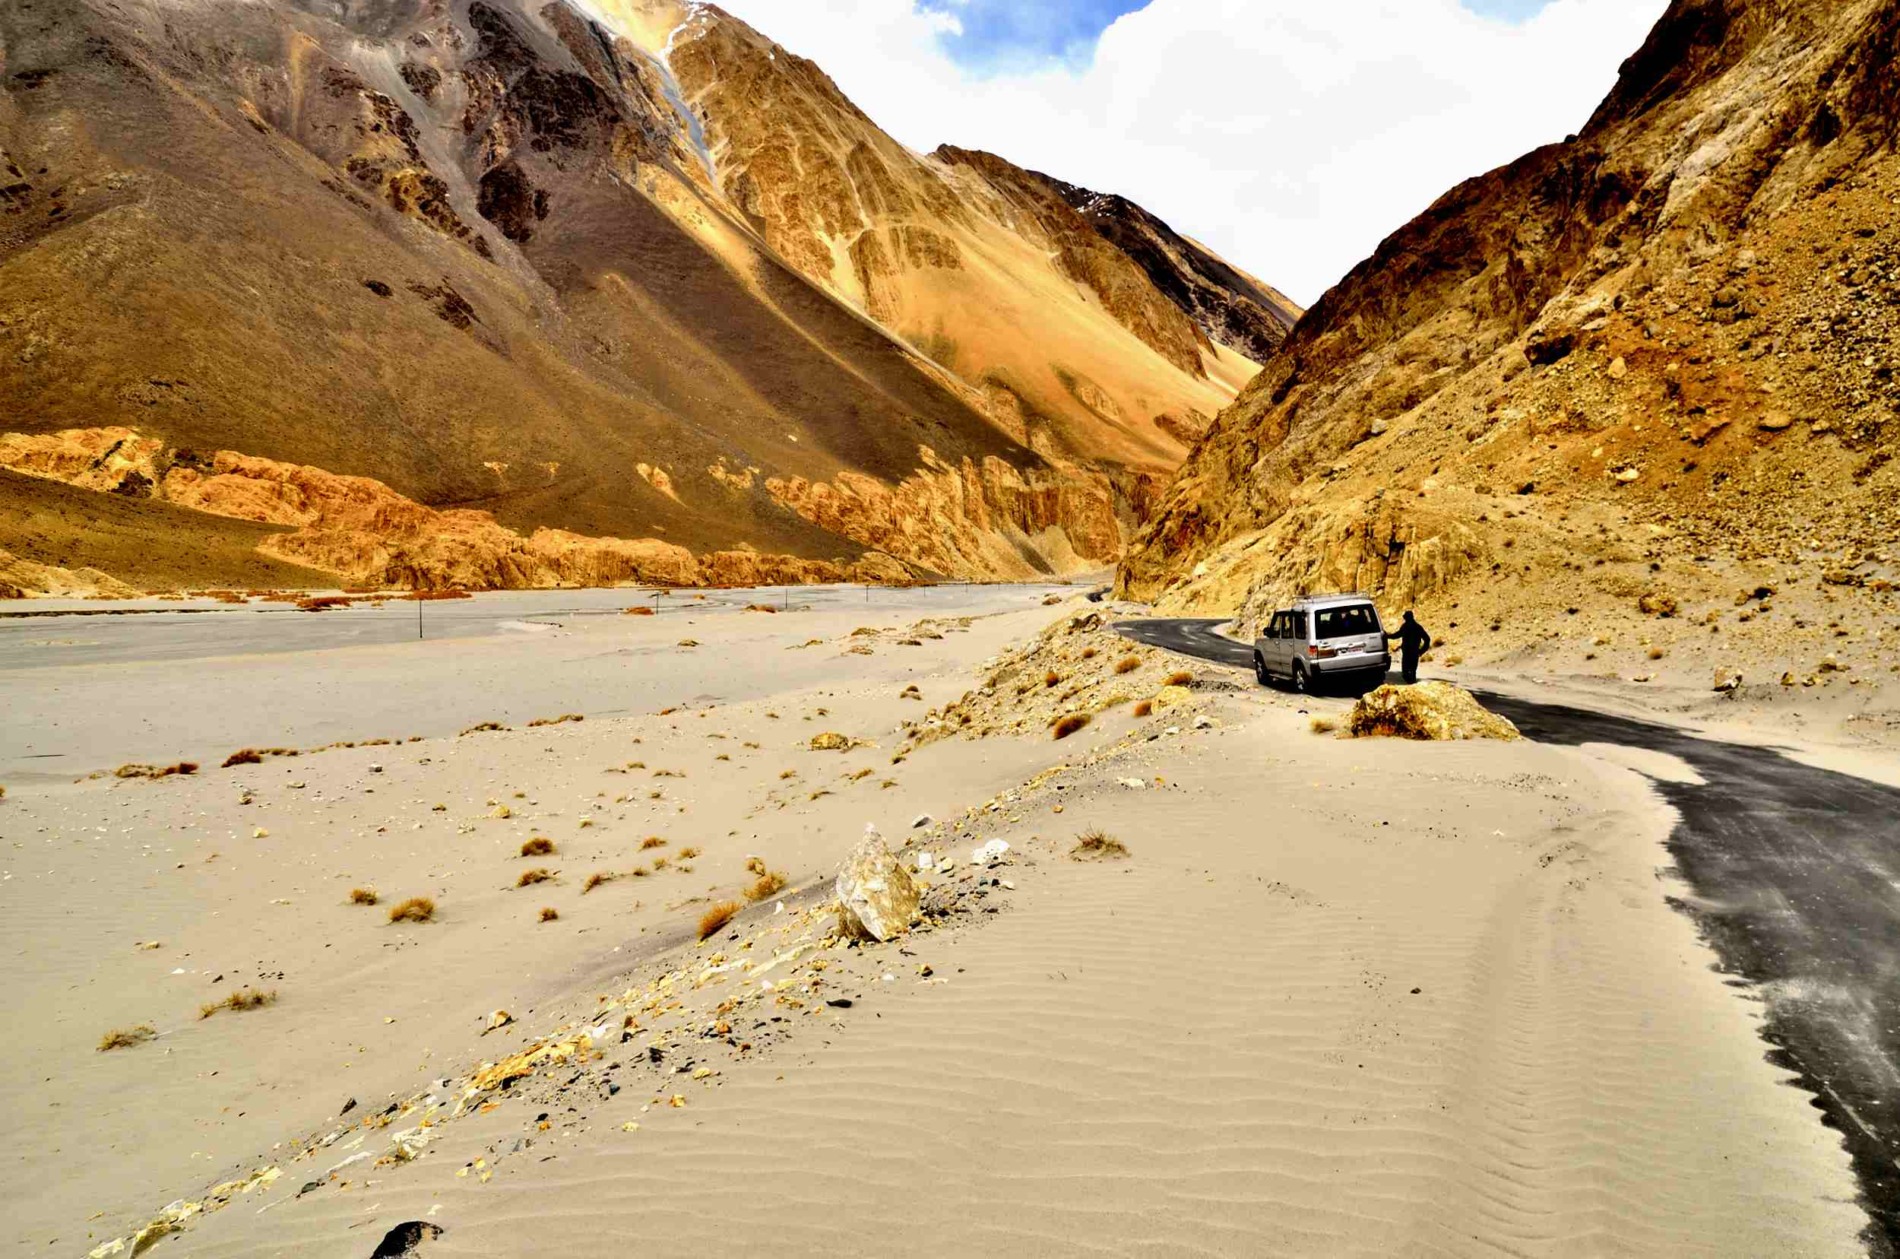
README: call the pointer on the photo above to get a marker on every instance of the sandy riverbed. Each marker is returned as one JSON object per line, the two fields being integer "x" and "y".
{"x": 1342, "y": 996}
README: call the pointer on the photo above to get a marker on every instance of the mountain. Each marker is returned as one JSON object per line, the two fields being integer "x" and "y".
{"x": 495, "y": 293}
{"x": 1645, "y": 372}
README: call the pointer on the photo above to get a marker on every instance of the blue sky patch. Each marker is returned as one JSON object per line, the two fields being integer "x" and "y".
{"x": 1507, "y": 10}
{"x": 1003, "y": 35}
{"x": 999, "y": 36}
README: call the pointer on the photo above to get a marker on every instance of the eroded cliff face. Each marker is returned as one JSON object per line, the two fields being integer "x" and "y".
{"x": 986, "y": 520}
{"x": 1657, "y": 357}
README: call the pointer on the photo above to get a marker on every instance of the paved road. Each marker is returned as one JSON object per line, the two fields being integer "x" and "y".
{"x": 1796, "y": 876}
{"x": 50, "y": 633}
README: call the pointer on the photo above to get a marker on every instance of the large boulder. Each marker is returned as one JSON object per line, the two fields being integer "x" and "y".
{"x": 876, "y": 898}
{"x": 1429, "y": 710}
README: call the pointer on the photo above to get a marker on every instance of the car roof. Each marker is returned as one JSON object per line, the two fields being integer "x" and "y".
{"x": 1313, "y": 601}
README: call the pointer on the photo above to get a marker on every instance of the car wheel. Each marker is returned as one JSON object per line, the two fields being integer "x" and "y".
{"x": 1260, "y": 670}
{"x": 1301, "y": 683}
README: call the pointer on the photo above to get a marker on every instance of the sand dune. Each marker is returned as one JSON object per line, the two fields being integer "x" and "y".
{"x": 1342, "y": 997}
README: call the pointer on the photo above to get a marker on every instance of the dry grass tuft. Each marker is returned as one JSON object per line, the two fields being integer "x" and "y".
{"x": 555, "y": 721}
{"x": 549, "y": 913}
{"x": 769, "y": 883}
{"x": 539, "y": 846}
{"x": 1180, "y": 677}
{"x": 755, "y": 865}
{"x": 155, "y": 771}
{"x": 415, "y": 909}
{"x": 1128, "y": 664}
{"x": 638, "y": 872}
{"x": 531, "y": 877}
{"x": 243, "y": 756}
{"x": 239, "y": 1001}
{"x": 1657, "y": 653}
{"x": 1088, "y": 653}
{"x": 1323, "y": 725}
{"x": 718, "y": 916}
{"x": 639, "y": 610}
{"x": 597, "y": 878}
{"x": 1052, "y": 678}
{"x": 652, "y": 841}
{"x": 1066, "y": 726}
{"x": 1095, "y": 845}
{"x": 688, "y": 853}
{"x": 661, "y": 863}
{"x": 1145, "y": 708}
{"x": 481, "y": 726}
{"x": 363, "y": 896}
{"x": 126, "y": 1037}
{"x": 760, "y": 607}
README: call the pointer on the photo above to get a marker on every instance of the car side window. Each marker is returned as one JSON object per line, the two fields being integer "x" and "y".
{"x": 1299, "y": 626}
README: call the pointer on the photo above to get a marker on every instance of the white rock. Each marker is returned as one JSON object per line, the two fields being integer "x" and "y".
{"x": 1134, "y": 784}
{"x": 988, "y": 854}
{"x": 876, "y": 898}
{"x": 920, "y": 821}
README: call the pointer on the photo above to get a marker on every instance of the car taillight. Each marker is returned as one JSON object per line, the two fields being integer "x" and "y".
{"x": 1320, "y": 653}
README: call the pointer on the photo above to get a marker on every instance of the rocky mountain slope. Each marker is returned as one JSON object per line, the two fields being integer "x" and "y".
{"x": 499, "y": 293}
{"x": 1646, "y": 373}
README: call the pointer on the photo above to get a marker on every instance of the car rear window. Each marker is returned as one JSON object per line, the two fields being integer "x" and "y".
{"x": 1354, "y": 618}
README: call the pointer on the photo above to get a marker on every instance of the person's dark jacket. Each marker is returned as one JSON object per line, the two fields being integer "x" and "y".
{"x": 1413, "y": 640}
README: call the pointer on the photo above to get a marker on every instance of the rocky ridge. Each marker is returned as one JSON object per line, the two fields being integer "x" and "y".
{"x": 1651, "y": 362}
{"x": 492, "y": 257}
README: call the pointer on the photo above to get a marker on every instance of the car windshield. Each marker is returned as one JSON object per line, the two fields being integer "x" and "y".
{"x": 1354, "y": 618}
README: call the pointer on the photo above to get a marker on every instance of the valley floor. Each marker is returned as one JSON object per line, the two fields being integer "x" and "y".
{"x": 1341, "y": 997}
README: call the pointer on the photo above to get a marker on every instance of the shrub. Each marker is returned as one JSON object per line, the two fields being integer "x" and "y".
{"x": 539, "y": 846}
{"x": 549, "y": 913}
{"x": 126, "y": 1037}
{"x": 638, "y": 872}
{"x": 1144, "y": 708}
{"x": 760, "y": 607}
{"x": 755, "y": 865}
{"x": 639, "y": 610}
{"x": 243, "y": 756}
{"x": 1656, "y": 653}
{"x": 415, "y": 909}
{"x": 1051, "y": 678}
{"x": 1180, "y": 677}
{"x": 482, "y": 726}
{"x": 531, "y": 877}
{"x": 716, "y": 917}
{"x": 239, "y": 1001}
{"x": 652, "y": 841}
{"x": 769, "y": 883}
{"x": 1066, "y": 726}
{"x": 363, "y": 896}
{"x": 1324, "y": 725}
{"x": 155, "y": 771}
{"x": 1128, "y": 664}
{"x": 1088, "y": 653}
{"x": 555, "y": 721}
{"x": 597, "y": 878}
{"x": 688, "y": 853}
{"x": 1094, "y": 845}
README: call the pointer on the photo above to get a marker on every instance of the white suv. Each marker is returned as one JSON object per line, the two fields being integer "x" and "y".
{"x": 1321, "y": 641}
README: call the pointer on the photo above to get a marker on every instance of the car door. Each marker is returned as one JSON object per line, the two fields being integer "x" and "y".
{"x": 1277, "y": 659}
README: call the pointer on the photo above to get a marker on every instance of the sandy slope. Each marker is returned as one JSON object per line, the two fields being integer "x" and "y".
{"x": 1345, "y": 997}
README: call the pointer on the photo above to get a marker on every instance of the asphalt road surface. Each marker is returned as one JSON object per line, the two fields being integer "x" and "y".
{"x": 1796, "y": 878}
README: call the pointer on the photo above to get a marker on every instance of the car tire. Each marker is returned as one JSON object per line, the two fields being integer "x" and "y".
{"x": 1260, "y": 670}
{"x": 1302, "y": 684}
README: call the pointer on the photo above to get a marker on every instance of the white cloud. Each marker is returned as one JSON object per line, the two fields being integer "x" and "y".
{"x": 1289, "y": 135}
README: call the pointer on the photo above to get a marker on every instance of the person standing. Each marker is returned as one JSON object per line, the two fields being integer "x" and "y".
{"x": 1413, "y": 643}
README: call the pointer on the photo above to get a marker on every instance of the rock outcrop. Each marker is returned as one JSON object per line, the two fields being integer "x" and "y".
{"x": 877, "y": 899}
{"x": 1659, "y": 351}
{"x": 1428, "y": 710}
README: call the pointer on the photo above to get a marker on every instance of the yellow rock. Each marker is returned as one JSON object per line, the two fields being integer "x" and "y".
{"x": 1429, "y": 710}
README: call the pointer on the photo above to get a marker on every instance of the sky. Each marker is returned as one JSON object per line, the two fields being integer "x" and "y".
{"x": 1291, "y": 136}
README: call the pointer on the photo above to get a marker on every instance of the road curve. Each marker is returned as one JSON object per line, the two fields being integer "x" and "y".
{"x": 1796, "y": 875}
